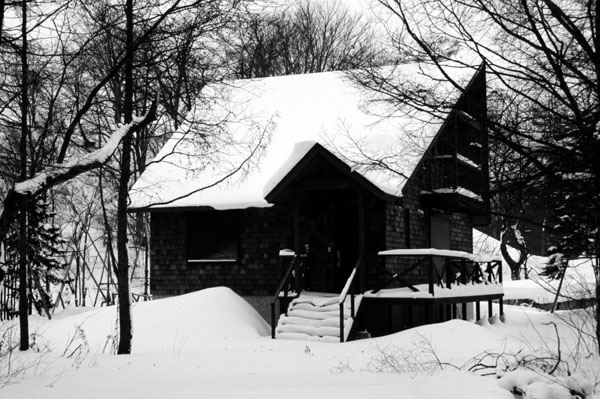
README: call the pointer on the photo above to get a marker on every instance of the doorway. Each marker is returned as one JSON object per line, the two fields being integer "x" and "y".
{"x": 329, "y": 231}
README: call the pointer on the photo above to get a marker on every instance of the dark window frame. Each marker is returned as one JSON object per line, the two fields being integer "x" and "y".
{"x": 213, "y": 236}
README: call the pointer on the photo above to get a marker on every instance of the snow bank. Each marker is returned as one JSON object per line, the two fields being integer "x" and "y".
{"x": 538, "y": 385}
{"x": 182, "y": 323}
{"x": 453, "y": 342}
{"x": 235, "y": 364}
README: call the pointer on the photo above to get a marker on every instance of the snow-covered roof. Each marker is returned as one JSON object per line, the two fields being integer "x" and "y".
{"x": 247, "y": 134}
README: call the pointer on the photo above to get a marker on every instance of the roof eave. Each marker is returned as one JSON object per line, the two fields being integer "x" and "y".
{"x": 317, "y": 149}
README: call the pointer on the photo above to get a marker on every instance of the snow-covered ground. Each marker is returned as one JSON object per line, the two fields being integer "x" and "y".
{"x": 579, "y": 281}
{"x": 212, "y": 344}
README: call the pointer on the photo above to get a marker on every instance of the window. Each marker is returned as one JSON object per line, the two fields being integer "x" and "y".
{"x": 213, "y": 236}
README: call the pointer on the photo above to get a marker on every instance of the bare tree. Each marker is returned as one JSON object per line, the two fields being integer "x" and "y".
{"x": 304, "y": 37}
{"x": 543, "y": 68}
{"x": 52, "y": 169}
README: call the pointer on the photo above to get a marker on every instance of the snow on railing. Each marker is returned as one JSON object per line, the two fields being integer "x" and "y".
{"x": 343, "y": 296}
{"x": 344, "y": 293}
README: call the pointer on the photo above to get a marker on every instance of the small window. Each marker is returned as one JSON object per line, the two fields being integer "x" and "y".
{"x": 213, "y": 236}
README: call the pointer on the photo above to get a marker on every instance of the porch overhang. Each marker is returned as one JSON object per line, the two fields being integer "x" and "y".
{"x": 306, "y": 174}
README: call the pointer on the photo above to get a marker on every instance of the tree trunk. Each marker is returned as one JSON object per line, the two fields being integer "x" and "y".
{"x": 2, "y": 5}
{"x": 515, "y": 265}
{"x": 597, "y": 270}
{"x": 23, "y": 300}
{"x": 598, "y": 313}
{"x": 125, "y": 335}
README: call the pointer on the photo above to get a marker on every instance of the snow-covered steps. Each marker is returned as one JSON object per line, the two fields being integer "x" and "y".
{"x": 315, "y": 316}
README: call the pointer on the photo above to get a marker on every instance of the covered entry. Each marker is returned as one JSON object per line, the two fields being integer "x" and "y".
{"x": 329, "y": 204}
{"x": 329, "y": 236}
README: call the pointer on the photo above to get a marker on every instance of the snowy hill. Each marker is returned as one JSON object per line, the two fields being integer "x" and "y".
{"x": 212, "y": 344}
{"x": 186, "y": 321}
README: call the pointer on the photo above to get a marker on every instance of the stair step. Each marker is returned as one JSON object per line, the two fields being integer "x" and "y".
{"x": 316, "y": 301}
{"x": 328, "y": 308}
{"x": 306, "y": 337}
{"x": 315, "y": 315}
{"x": 308, "y": 306}
{"x": 310, "y": 330}
{"x": 331, "y": 322}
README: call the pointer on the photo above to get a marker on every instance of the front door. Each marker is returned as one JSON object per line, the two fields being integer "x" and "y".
{"x": 330, "y": 233}
{"x": 345, "y": 239}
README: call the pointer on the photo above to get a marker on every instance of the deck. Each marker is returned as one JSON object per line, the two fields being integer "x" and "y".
{"x": 457, "y": 283}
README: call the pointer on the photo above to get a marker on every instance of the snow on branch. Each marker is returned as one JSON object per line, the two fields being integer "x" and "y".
{"x": 57, "y": 174}
{"x": 61, "y": 173}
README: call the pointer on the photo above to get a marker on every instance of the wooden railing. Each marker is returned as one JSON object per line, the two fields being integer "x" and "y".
{"x": 348, "y": 288}
{"x": 295, "y": 269}
{"x": 441, "y": 173}
{"x": 490, "y": 271}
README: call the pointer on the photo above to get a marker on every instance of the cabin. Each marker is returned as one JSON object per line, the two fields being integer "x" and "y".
{"x": 293, "y": 190}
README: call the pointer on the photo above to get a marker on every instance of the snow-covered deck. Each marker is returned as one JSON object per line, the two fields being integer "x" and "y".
{"x": 444, "y": 253}
{"x": 457, "y": 290}
{"x": 458, "y": 281}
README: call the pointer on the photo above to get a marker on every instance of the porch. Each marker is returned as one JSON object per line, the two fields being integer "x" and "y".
{"x": 457, "y": 284}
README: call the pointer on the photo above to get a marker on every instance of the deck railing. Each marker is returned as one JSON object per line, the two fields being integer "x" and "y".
{"x": 348, "y": 288}
{"x": 295, "y": 270}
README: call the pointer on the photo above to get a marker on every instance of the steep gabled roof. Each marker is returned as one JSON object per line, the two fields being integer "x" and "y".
{"x": 246, "y": 132}
{"x": 302, "y": 158}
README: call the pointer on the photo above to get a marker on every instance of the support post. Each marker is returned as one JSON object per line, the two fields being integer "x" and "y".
{"x": 297, "y": 277}
{"x": 429, "y": 310}
{"x": 297, "y": 227}
{"x": 500, "y": 271}
{"x": 342, "y": 322}
{"x": 362, "y": 273}
{"x": 430, "y": 275}
{"x": 272, "y": 320}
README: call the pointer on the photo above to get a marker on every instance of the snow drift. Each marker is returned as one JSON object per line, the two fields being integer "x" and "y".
{"x": 178, "y": 324}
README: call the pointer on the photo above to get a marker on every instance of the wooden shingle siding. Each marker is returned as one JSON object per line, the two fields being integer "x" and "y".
{"x": 263, "y": 232}
{"x": 419, "y": 222}
{"x": 168, "y": 254}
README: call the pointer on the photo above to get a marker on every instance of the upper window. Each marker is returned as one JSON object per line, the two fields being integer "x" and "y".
{"x": 213, "y": 236}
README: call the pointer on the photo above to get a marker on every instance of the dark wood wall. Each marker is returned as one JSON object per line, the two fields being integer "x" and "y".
{"x": 256, "y": 271}
{"x": 408, "y": 226}
{"x": 258, "y": 268}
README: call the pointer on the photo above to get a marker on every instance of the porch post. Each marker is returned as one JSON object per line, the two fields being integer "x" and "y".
{"x": 297, "y": 269}
{"x": 430, "y": 274}
{"x": 297, "y": 227}
{"x": 362, "y": 272}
